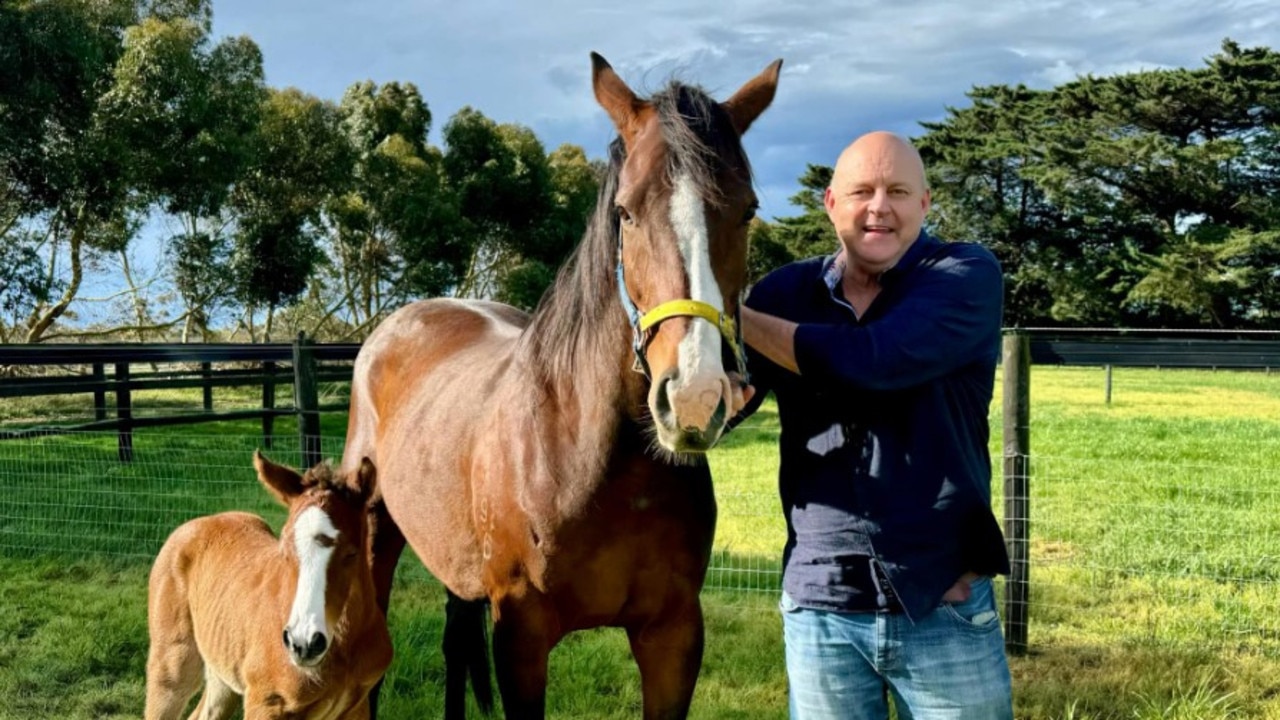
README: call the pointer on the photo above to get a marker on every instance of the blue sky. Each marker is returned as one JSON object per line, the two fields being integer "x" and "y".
{"x": 849, "y": 67}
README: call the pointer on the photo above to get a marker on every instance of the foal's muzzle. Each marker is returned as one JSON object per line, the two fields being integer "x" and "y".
{"x": 308, "y": 653}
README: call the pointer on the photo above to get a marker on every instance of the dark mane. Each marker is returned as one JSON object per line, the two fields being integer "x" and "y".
{"x": 571, "y": 318}
{"x": 324, "y": 476}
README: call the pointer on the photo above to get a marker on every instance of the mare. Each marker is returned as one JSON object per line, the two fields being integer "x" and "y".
{"x": 292, "y": 625}
{"x": 552, "y": 465}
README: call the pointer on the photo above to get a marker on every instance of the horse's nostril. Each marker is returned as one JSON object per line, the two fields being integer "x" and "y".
{"x": 317, "y": 646}
{"x": 662, "y": 403}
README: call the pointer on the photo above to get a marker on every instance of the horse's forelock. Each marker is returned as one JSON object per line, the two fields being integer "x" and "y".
{"x": 700, "y": 138}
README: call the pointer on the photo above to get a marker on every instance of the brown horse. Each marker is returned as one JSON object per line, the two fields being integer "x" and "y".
{"x": 525, "y": 461}
{"x": 292, "y": 626}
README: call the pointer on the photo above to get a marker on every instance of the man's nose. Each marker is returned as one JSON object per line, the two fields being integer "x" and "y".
{"x": 879, "y": 204}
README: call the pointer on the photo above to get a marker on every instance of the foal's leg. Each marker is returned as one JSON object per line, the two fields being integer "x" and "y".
{"x": 668, "y": 650}
{"x": 173, "y": 676}
{"x": 522, "y": 641}
{"x": 219, "y": 702}
{"x": 386, "y": 543}
{"x": 174, "y": 665}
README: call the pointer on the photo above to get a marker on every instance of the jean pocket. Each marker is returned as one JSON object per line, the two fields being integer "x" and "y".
{"x": 979, "y": 611}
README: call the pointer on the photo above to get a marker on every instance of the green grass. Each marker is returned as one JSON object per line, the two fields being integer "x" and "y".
{"x": 1155, "y": 554}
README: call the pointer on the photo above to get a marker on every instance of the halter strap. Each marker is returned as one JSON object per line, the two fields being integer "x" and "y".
{"x": 641, "y": 324}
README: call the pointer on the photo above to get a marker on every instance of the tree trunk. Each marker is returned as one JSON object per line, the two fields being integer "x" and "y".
{"x": 41, "y": 322}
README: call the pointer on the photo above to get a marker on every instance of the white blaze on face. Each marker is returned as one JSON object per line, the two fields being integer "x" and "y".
{"x": 700, "y": 384}
{"x": 313, "y": 538}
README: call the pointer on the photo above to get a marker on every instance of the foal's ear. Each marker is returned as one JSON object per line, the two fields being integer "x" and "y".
{"x": 753, "y": 97}
{"x": 366, "y": 479}
{"x": 615, "y": 97}
{"x": 284, "y": 482}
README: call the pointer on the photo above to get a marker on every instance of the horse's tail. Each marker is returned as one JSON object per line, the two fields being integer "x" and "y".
{"x": 466, "y": 652}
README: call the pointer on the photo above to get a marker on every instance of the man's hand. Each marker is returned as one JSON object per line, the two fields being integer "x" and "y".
{"x": 961, "y": 590}
{"x": 740, "y": 393}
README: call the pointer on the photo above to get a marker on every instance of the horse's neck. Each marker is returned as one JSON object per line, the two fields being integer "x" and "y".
{"x": 591, "y": 401}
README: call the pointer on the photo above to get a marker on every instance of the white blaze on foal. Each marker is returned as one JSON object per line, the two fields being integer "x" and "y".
{"x": 307, "y": 634}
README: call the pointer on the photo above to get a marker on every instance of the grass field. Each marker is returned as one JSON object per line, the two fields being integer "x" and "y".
{"x": 1155, "y": 568}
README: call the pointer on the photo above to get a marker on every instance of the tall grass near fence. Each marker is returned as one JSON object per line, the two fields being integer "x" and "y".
{"x": 1154, "y": 545}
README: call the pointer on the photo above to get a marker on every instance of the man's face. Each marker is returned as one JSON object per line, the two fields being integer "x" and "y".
{"x": 877, "y": 202}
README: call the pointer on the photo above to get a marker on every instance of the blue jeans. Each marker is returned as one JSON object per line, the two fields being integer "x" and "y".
{"x": 948, "y": 665}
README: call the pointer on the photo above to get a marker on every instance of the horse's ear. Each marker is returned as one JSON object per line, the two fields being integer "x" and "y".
{"x": 753, "y": 97}
{"x": 615, "y": 97}
{"x": 284, "y": 482}
{"x": 366, "y": 478}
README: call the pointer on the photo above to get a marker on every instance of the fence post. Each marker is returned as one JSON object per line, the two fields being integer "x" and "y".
{"x": 1108, "y": 385}
{"x": 99, "y": 392}
{"x": 268, "y": 402}
{"x": 306, "y": 399}
{"x": 124, "y": 413}
{"x": 206, "y": 374}
{"x": 1017, "y": 497}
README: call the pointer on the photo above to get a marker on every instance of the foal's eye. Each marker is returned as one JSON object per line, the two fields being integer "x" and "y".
{"x": 624, "y": 216}
{"x": 750, "y": 214}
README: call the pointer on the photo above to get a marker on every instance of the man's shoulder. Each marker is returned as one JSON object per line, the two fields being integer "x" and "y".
{"x": 791, "y": 276}
{"x": 965, "y": 250}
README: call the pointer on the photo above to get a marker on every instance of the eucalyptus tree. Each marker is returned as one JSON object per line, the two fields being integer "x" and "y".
{"x": 390, "y": 232}
{"x": 110, "y": 109}
{"x": 299, "y": 161}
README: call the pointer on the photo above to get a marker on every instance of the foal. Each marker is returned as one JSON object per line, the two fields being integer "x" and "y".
{"x": 291, "y": 625}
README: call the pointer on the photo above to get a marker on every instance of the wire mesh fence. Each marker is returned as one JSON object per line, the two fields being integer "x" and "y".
{"x": 1153, "y": 517}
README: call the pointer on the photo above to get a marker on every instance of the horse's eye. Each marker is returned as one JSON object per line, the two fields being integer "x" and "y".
{"x": 624, "y": 215}
{"x": 750, "y": 214}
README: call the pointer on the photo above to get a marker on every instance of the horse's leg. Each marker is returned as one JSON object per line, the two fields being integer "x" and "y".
{"x": 522, "y": 642}
{"x": 174, "y": 665}
{"x": 466, "y": 653}
{"x": 173, "y": 676}
{"x": 386, "y": 543}
{"x": 218, "y": 702}
{"x": 668, "y": 650}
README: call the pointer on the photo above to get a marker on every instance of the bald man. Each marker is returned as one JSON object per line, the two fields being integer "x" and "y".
{"x": 882, "y": 359}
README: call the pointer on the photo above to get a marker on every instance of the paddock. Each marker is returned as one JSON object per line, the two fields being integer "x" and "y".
{"x": 1150, "y": 521}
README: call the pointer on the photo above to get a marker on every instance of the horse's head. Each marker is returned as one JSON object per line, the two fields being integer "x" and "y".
{"x": 684, "y": 201}
{"x": 326, "y": 534}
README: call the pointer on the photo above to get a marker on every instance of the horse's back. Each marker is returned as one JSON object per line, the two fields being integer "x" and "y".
{"x": 425, "y": 349}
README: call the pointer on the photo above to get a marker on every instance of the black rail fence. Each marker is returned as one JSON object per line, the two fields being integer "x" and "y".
{"x": 109, "y": 370}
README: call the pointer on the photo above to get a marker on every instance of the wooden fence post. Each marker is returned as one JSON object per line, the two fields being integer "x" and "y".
{"x": 206, "y": 373}
{"x": 1017, "y": 497}
{"x": 268, "y": 402}
{"x": 306, "y": 400}
{"x": 124, "y": 413}
{"x": 99, "y": 392}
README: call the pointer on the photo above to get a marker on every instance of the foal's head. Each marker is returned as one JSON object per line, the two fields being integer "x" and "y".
{"x": 325, "y": 535}
{"x": 684, "y": 201}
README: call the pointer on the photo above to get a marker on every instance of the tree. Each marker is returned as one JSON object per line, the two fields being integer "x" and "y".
{"x": 108, "y": 112}
{"x": 300, "y": 161}
{"x": 1127, "y": 200}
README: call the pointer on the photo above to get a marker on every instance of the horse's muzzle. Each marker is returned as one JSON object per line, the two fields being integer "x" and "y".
{"x": 673, "y": 423}
{"x": 306, "y": 654}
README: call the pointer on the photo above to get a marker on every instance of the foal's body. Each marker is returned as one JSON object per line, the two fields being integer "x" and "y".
{"x": 220, "y": 595}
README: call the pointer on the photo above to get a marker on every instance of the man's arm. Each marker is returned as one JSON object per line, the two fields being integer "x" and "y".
{"x": 772, "y": 337}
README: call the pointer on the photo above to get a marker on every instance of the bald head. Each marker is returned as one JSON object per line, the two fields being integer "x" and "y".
{"x": 880, "y": 150}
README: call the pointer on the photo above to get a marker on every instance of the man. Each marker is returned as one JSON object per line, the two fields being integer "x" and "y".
{"x": 882, "y": 360}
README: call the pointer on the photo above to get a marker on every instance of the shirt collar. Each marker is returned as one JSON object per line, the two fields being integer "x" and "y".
{"x": 834, "y": 265}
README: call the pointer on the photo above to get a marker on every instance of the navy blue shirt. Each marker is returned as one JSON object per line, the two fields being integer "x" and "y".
{"x": 884, "y": 430}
